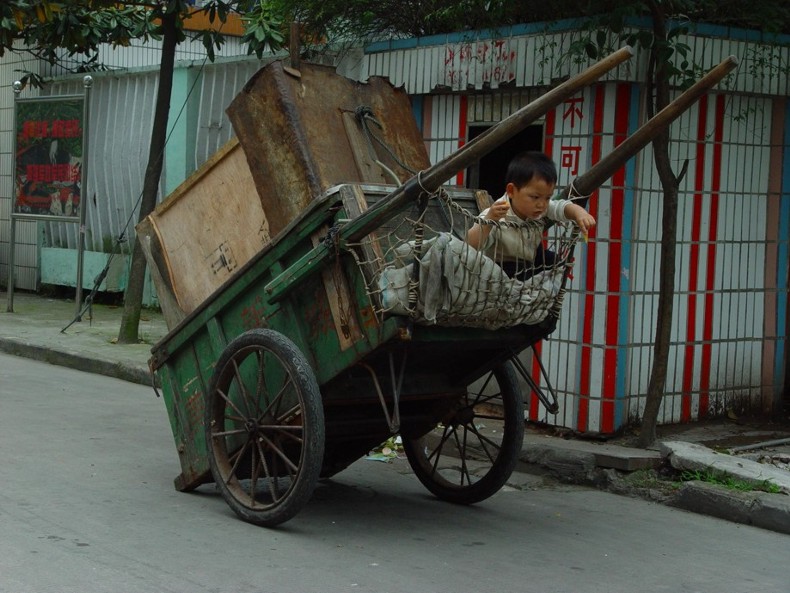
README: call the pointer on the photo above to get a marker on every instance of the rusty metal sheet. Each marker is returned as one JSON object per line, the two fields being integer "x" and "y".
{"x": 300, "y": 137}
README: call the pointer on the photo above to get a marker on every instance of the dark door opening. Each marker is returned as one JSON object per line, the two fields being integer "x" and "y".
{"x": 489, "y": 172}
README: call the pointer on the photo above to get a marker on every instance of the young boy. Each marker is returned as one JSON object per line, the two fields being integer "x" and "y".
{"x": 531, "y": 180}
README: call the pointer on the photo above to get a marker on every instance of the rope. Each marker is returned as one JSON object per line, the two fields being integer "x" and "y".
{"x": 364, "y": 115}
{"x": 575, "y": 196}
{"x": 484, "y": 292}
{"x": 489, "y": 290}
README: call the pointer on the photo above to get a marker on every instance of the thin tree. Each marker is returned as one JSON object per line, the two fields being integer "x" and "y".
{"x": 45, "y": 28}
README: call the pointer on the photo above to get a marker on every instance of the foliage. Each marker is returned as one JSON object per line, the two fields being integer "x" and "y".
{"x": 368, "y": 19}
{"x": 728, "y": 481}
{"x": 264, "y": 27}
{"x": 47, "y": 27}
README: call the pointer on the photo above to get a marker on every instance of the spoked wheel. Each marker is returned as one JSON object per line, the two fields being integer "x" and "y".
{"x": 473, "y": 450}
{"x": 264, "y": 427}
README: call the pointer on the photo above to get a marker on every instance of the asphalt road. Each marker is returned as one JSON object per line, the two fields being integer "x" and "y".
{"x": 87, "y": 505}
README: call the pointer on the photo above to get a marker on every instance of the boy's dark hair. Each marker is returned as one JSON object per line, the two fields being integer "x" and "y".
{"x": 527, "y": 165}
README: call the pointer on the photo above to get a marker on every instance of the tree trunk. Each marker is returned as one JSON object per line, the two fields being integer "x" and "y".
{"x": 133, "y": 301}
{"x": 670, "y": 184}
{"x": 666, "y": 294}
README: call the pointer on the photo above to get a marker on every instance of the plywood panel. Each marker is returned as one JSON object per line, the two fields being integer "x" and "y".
{"x": 209, "y": 227}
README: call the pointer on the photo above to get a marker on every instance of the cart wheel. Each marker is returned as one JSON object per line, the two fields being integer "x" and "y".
{"x": 264, "y": 427}
{"x": 463, "y": 460}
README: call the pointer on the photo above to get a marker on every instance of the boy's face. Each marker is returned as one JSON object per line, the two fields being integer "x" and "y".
{"x": 530, "y": 201}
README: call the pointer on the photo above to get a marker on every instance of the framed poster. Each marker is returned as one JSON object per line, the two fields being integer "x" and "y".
{"x": 48, "y": 157}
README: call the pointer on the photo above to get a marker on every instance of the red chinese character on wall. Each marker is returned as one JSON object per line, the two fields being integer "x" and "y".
{"x": 573, "y": 110}
{"x": 569, "y": 158}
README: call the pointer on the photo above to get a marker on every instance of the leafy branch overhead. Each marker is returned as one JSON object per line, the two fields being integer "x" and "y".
{"x": 366, "y": 19}
{"x": 50, "y": 29}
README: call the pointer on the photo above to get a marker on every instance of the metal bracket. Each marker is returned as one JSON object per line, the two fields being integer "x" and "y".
{"x": 393, "y": 419}
{"x": 552, "y": 406}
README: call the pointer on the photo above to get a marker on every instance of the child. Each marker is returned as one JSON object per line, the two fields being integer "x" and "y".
{"x": 531, "y": 180}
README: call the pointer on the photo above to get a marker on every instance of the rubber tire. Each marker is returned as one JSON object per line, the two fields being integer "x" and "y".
{"x": 505, "y": 458}
{"x": 281, "y": 351}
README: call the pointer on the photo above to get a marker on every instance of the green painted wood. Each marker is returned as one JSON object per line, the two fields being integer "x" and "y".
{"x": 438, "y": 358}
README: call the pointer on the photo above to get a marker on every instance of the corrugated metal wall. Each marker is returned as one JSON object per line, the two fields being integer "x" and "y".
{"x": 141, "y": 55}
{"x": 458, "y": 62}
{"x": 122, "y": 106}
{"x": 121, "y": 113}
{"x": 534, "y": 56}
{"x": 122, "y": 116}
{"x": 729, "y": 333}
{"x": 26, "y": 240}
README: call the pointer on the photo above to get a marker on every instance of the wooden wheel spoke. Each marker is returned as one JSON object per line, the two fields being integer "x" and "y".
{"x": 273, "y": 406}
{"x": 437, "y": 451}
{"x": 289, "y": 432}
{"x": 462, "y": 452}
{"x": 241, "y": 416}
{"x": 275, "y": 448}
{"x": 479, "y": 398}
{"x": 293, "y": 411}
{"x": 236, "y": 459}
{"x": 482, "y": 390}
{"x": 242, "y": 388}
{"x": 228, "y": 433}
{"x": 271, "y": 473}
{"x": 483, "y": 441}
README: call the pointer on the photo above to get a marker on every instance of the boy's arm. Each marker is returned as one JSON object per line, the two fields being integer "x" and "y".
{"x": 477, "y": 236}
{"x": 583, "y": 219}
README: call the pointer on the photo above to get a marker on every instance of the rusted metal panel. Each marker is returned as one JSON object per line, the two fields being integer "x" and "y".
{"x": 293, "y": 127}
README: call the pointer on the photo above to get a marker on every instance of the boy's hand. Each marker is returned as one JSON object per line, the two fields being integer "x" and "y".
{"x": 583, "y": 219}
{"x": 498, "y": 210}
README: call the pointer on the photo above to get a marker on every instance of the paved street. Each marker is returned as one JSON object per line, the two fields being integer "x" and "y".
{"x": 87, "y": 505}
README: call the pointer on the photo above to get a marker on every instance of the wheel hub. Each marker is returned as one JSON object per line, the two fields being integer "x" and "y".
{"x": 463, "y": 416}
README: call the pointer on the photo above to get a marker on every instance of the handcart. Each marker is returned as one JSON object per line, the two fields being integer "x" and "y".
{"x": 295, "y": 368}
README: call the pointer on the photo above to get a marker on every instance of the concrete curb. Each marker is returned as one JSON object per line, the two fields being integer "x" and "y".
{"x": 565, "y": 464}
{"x": 118, "y": 370}
{"x": 761, "y": 509}
{"x": 582, "y": 464}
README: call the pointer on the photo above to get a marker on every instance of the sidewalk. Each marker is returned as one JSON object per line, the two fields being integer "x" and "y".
{"x": 35, "y": 329}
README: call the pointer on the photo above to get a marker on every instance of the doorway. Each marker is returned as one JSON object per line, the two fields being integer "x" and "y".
{"x": 489, "y": 172}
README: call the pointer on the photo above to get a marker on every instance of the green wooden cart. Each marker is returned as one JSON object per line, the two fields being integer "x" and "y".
{"x": 278, "y": 380}
{"x": 292, "y": 369}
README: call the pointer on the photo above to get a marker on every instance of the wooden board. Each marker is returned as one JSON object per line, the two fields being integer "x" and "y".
{"x": 210, "y": 226}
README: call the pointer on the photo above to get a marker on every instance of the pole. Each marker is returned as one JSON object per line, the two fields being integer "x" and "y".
{"x": 87, "y": 82}
{"x": 428, "y": 181}
{"x": 588, "y": 182}
{"x": 12, "y": 247}
{"x": 431, "y": 179}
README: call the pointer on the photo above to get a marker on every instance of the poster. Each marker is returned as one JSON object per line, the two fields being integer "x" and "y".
{"x": 49, "y": 153}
